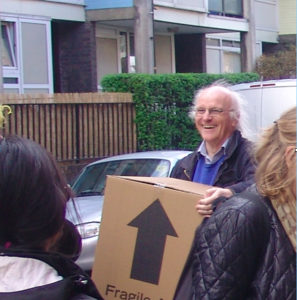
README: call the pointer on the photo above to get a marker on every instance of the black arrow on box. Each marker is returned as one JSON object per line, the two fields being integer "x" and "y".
{"x": 153, "y": 226}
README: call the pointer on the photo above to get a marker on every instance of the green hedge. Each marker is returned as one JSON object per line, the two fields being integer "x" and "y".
{"x": 162, "y": 103}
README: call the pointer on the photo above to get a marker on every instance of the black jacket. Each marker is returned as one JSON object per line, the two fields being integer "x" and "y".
{"x": 76, "y": 285}
{"x": 243, "y": 252}
{"x": 236, "y": 172}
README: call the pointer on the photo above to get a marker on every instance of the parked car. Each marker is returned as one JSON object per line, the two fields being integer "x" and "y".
{"x": 89, "y": 191}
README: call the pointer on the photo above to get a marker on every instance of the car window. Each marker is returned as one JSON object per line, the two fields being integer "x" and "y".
{"x": 92, "y": 180}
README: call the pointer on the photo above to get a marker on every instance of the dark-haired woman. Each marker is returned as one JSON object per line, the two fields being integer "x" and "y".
{"x": 34, "y": 263}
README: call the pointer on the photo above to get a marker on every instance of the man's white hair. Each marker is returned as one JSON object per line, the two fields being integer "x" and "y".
{"x": 238, "y": 105}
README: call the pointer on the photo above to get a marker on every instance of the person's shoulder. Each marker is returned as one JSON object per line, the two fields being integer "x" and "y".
{"x": 240, "y": 139}
{"x": 249, "y": 204}
{"x": 190, "y": 156}
{"x": 188, "y": 159}
{"x": 241, "y": 145}
{"x": 239, "y": 219}
{"x": 239, "y": 215}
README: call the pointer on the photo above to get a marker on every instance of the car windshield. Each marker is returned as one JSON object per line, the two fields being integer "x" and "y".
{"x": 92, "y": 180}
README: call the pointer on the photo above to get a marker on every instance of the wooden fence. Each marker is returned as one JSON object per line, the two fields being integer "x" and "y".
{"x": 74, "y": 127}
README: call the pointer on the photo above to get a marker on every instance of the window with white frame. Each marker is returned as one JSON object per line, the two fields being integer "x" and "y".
{"x": 229, "y": 8}
{"x": 26, "y": 55}
{"x": 9, "y": 57}
{"x": 222, "y": 55}
{"x": 127, "y": 52}
{"x": 8, "y": 44}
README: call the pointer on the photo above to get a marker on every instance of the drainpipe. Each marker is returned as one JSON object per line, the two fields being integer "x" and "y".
{"x": 248, "y": 39}
{"x": 1, "y": 69}
{"x": 144, "y": 36}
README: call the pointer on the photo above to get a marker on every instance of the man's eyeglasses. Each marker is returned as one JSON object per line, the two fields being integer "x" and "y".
{"x": 214, "y": 111}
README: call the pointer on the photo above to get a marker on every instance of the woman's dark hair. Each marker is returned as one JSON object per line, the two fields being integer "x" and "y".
{"x": 33, "y": 194}
{"x": 69, "y": 243}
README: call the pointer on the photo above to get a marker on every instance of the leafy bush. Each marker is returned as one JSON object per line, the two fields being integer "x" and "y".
{"x": 279, "y": 65}
{"x": 162, "y": 103}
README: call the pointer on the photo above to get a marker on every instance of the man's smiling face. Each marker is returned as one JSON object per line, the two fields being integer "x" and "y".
{"x": 213, "y": 119}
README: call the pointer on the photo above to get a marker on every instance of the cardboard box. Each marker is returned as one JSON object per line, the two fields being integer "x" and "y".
{"x": 146, "y": 233}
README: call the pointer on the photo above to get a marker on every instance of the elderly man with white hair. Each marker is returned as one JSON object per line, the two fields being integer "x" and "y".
{"x": 223, "y": 158}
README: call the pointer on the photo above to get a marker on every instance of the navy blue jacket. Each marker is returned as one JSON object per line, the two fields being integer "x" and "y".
{"x": 236, "y": 172}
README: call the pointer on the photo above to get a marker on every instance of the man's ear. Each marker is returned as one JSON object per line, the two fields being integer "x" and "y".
{"x": 235, "y": 119}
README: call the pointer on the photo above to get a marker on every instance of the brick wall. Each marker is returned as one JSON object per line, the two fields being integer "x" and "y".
{"x": 74, "y": 52}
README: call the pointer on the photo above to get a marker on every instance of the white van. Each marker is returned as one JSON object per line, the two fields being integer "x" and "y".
{"x": 266, "y": 101}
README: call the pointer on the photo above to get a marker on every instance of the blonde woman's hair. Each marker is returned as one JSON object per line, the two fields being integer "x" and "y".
{"x": 272, "y": 174}
{"x": 273, "y": 177}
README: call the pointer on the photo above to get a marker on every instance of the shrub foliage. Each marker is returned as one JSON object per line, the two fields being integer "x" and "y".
{"x": 279, "y": 65}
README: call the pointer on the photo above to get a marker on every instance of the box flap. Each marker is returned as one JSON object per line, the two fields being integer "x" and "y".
{"x": 171, "y": 183}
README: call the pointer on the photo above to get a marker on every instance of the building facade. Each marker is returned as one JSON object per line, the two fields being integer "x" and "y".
{"x": 287, "y": 24}
{"x": 213, "y": 36}
{"x": 69, "y": 45}
{"x": 46, "y": 47}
